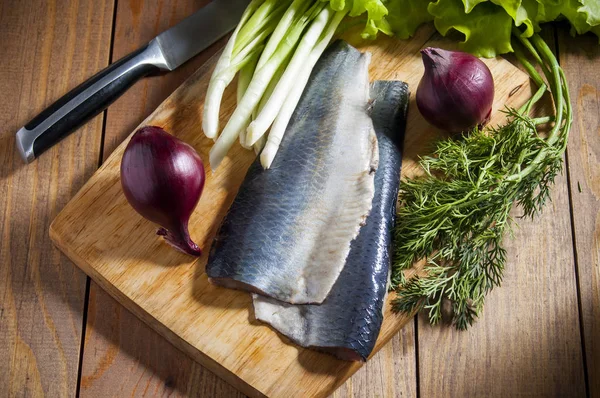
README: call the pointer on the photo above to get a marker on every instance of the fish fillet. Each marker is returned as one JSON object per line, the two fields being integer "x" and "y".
{"x": 288, "y": 231}
{"x": 347, "y": 323}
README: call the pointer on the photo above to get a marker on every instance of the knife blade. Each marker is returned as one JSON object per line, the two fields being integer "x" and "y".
{"x": 164, "y": 53}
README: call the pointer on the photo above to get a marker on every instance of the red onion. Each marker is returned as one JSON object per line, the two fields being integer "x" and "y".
{"x": 456, "y": 92}
{"x": 163, "y": 178}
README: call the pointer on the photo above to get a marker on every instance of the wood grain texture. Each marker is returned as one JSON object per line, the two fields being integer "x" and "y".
{"x": 527, "y": 342}
{"x": 125, "y": 358}
{"x": 389, "y": 373}
{"x": 128, "y": 345}
{"x": 48, "y": 47}
{"x": 170, "y": 291}
{"x": 137, "y": 22}
{"x": 580, "y": 58}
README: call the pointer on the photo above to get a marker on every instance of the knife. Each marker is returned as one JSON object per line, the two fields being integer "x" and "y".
{"x": 164, "y": 53}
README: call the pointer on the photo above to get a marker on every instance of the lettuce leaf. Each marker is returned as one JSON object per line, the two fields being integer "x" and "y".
{"x": 485, "y": 24}
{"x": 591, "y": 9}
{"x": 596, "y": 30}
{"x": 487, "y": 28}
{"x": 470, "y": 4}
{"x": 405, "y": 16}
{"x": 528, "y": 13}
{"x": 521, "y": 11}
{"x": 391, "y": 17}
{"x": 376, "y": 12}
{"x": 550, "y": 10}
{"x": 510, "y": 6}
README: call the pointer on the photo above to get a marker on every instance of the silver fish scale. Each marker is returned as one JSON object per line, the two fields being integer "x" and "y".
{"x": 289, "y": 229}
{"x": 348, "y": 322}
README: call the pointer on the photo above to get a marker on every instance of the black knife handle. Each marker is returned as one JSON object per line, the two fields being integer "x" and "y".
{"x": 86, "y": 101}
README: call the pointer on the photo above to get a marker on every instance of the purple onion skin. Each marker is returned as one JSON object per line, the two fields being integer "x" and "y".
{"x": 456, "y": 91}
{"x": 162, "y": 178}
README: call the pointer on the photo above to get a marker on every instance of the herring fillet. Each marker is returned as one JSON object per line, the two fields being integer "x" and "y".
{"x": 347, "y": 323}
{"x": 288, "y": 232}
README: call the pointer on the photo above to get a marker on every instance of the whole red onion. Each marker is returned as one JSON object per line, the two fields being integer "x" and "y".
{"x": 456, "y": 91}
{"x": 162, "y": 178}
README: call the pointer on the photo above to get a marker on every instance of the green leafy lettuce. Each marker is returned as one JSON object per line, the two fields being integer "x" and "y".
{"x": 485, "y": 24}
{"x": 487, "y": 28}
{"x": 405, "y": 16}
{"x": 591, "y": 9}
{"x": 376, "y": 11}
{"x": 470, "y": 4}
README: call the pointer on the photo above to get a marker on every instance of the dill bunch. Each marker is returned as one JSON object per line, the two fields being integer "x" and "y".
{"x": 457, "y": 215}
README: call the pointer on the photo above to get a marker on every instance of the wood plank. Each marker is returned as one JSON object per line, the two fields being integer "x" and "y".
{"x": 110, "y": 346}
{"x": 48, "y": 47}
{"x": 124, "y": 357}
{"x": 170, "y": 292}
{"x": 527, "y": 342}
{"x": 138, "y": 22}
{"x": 579, "y": 57}
{"x": 392, "y": 372}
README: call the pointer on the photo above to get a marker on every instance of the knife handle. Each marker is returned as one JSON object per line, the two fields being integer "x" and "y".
{"x": 86, "y": 101}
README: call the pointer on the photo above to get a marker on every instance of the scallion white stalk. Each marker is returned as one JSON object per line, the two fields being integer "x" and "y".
{"x": 289, "y": 105}
{"x": 245, "y": 76}
{"x": 216, "y": 87}
{"x": 257, "y": 42}
{"x": 257, "y": 88}
{"x": 293, "y": 13}
{"x": 238, "y": 120}
{"x": 212, "y": 102}
{"x": 266, "y": 117}
{"x": 270, "y": 10}
{"x": 282, "y": 120}
{"x": 244, "y": 79}
{"x": 259, "y": 145}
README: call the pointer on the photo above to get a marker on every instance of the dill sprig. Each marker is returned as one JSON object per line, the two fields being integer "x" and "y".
{"x": 457, "y": 214}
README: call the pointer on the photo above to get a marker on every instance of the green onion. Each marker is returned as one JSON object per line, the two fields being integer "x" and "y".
{"x": 244, "y": 79}
{"x": 219, "y": 81}
{"x": 291, "y": 101}
{"x": 258, "y": 86}
{"x": 265, "y": 118}
{"x": 275, "y": 43}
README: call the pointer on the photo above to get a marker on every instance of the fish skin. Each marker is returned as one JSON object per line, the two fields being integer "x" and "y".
{"x": 288, "y": 231}
{"x": 348, "y": 322}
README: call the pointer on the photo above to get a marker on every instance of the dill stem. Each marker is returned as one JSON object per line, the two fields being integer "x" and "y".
{"x": 569, "y": 109}
{"x": 557, "y": 95}
{"x": 533, "y": 74}
{"x": 542, "y": 120}
{"x": 527, "y": 44}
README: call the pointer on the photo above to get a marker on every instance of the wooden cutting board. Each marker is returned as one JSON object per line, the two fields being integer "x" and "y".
{"x": 102, "y": 234}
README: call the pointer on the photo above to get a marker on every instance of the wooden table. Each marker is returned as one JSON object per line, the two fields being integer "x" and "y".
{"x": 61, "y": 335}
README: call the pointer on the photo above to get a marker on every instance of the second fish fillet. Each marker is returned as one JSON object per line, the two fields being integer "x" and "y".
{"x": 347, "y": 323}
{"x": 288, "y": 231}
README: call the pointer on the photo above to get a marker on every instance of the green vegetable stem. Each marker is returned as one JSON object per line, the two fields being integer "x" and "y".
{"x": 286, "y": 37}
